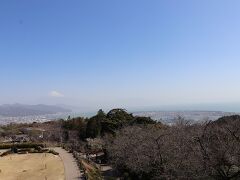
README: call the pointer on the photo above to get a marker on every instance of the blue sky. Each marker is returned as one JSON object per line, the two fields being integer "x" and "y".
{"x": 113, "y": 53}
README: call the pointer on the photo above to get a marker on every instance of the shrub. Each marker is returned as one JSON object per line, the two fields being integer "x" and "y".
{"x": 21, "y": 146}
{"x": 53, "y": 152}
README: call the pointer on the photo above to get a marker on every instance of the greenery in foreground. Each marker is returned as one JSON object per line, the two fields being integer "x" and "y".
{"x": 102, "y": 124}
{"x": 21, "y": 146}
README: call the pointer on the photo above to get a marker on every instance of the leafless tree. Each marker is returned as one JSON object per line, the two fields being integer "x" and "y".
{"x": 182, "y": 151}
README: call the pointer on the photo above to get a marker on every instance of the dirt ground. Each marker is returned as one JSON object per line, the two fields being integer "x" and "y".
{"x": 31, "y": 167}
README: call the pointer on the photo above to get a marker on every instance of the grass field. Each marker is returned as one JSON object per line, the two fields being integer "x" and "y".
{"x": 31, "y": 167}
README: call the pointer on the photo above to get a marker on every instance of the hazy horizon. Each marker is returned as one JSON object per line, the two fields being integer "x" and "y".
{"x": 164, "y": 55}
{"x": 221, "y": 107}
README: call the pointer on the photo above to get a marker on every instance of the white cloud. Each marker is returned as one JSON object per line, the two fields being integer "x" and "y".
{"x": 56, "y": 94}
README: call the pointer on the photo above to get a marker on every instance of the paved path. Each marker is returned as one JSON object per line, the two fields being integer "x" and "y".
{"x": 72, "y": 171}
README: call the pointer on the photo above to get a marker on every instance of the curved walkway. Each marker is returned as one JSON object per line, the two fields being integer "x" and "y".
{"x": 72, "y": 171}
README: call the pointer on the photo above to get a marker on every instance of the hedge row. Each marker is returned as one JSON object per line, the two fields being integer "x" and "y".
{"x": 20, "y": 146}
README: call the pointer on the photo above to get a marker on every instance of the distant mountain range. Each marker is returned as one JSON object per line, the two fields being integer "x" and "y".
{"x": 15, "y": 110}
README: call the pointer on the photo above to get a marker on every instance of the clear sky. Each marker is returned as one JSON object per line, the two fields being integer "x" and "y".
{"x": 120, "y": 53}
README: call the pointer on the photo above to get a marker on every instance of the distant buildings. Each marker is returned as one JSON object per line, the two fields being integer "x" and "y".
{"x": 169, "y": 117}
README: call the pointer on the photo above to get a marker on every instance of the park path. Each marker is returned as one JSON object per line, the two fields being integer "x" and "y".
{"x": 72, "y": 171}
